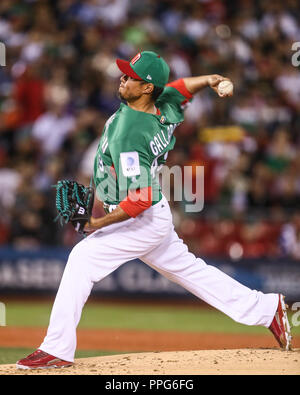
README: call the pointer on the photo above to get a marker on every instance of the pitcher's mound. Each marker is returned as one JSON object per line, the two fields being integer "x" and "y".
{"x": 203, "y": 362}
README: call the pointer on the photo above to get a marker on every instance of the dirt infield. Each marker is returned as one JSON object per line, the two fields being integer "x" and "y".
{"x": 140, "y": 341}
{"x": 172, "y": 353}
{"x": 203, "y": 362}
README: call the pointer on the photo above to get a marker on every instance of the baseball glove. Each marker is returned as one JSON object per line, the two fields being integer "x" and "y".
{"x": 74, "y": 203}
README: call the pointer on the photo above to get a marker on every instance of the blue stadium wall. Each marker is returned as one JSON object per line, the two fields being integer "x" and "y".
{"x": 40, "y": 271}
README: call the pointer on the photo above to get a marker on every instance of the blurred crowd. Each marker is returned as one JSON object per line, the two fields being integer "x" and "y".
{"x": 59, "y": 86}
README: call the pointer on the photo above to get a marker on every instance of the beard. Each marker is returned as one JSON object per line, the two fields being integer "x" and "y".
{"x": 121, "y": 97}
{"x": 128, "y": 98}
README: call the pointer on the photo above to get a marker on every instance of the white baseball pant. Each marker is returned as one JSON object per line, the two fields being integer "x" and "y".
{"x": 150, "y": 237}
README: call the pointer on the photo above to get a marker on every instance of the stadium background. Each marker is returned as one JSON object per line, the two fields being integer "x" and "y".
{"x": 57, "y": 90}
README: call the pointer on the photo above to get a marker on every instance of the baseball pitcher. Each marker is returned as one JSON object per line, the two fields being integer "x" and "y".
{"x": 134, "y": 144}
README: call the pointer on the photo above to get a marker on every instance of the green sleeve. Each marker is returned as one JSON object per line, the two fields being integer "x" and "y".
{"x": 173, "y": 103}
{"x": 172, "y": 96}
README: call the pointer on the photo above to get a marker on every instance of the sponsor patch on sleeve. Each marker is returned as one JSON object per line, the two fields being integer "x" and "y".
{"x": 130, "y": 163}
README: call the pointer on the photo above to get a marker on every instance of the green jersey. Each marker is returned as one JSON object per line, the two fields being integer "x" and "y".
{"x": 134, "y": 146}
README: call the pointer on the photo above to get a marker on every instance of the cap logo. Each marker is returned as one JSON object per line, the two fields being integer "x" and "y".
{"x": 136, "y": 58}
{"x": 149, "y": 77}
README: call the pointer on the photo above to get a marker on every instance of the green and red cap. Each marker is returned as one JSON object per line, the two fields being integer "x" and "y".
{"x": 146, "y": 66}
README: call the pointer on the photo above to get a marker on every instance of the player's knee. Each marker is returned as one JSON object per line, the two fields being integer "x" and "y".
{"x": 77, "y": 254}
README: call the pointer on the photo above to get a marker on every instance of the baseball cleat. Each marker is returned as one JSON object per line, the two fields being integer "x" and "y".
{"x": 280, "y": 326}
{"x": 41, "y": 360}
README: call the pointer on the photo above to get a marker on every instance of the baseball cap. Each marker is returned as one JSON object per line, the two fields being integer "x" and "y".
{"x": 146, "y": 66}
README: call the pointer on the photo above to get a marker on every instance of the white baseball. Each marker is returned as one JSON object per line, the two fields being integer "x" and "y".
{"x": 225, "y": 88}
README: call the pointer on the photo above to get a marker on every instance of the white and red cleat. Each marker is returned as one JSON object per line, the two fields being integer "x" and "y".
{"x": 41, "y": 360}
{"x": 280, "y": 326}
